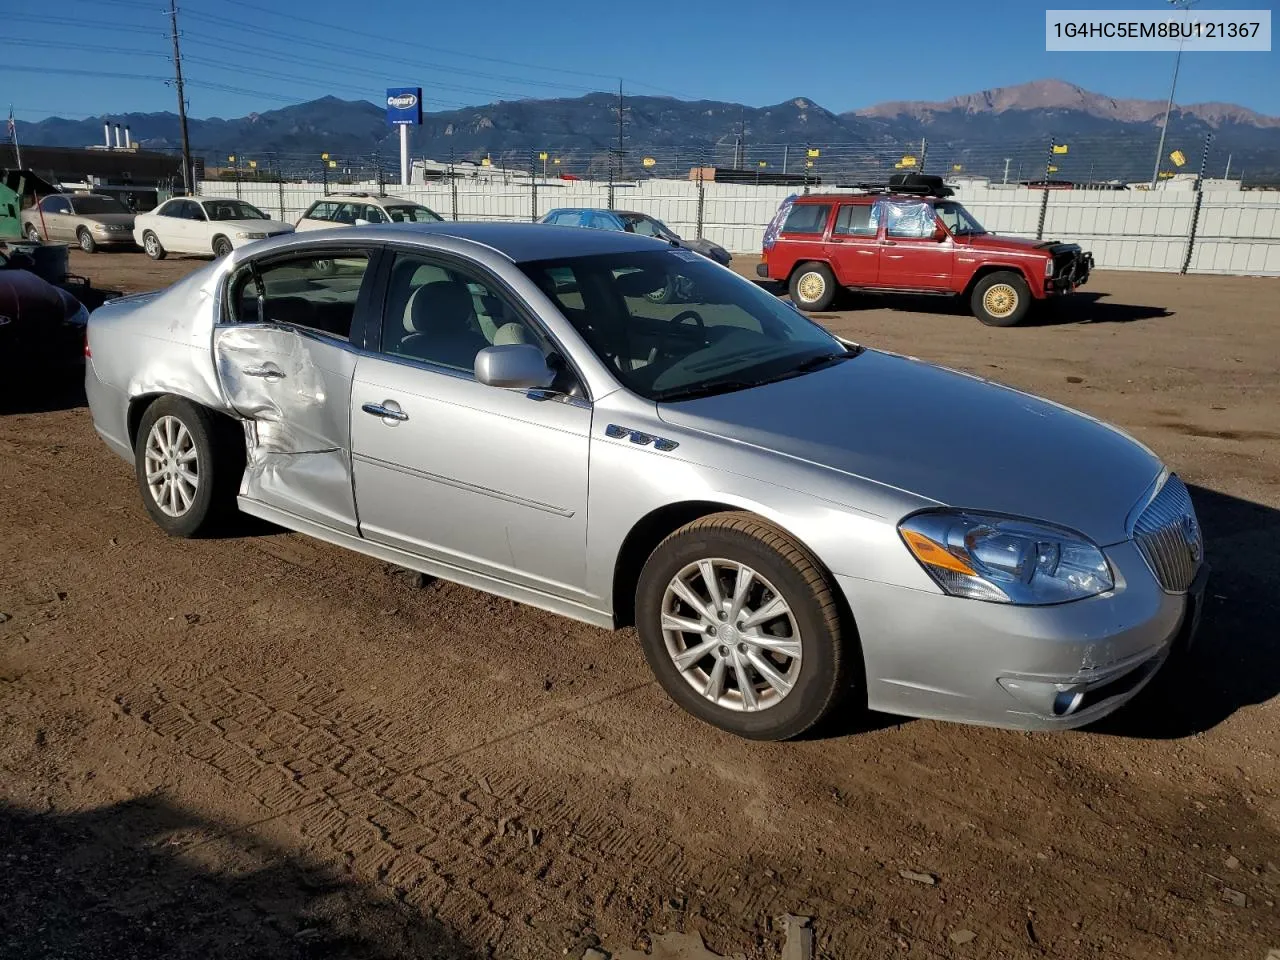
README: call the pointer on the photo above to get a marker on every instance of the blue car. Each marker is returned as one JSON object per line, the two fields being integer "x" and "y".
{"x": 631, "y": 222}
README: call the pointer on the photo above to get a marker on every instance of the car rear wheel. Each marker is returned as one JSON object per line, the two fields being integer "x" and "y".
{"x": 1001, "y": 299}
{"x": 33, "y": 233}
{"x": 741, "y": 627}
{"x": 813, "y": 287}
{"x": 221, "y": 246}
{"x": 86, "y": 241}
{"x": 151, "y": 244}
{"x": 187, "y": 471}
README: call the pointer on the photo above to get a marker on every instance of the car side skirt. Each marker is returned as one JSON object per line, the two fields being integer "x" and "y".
{"x": 432, "y": 568}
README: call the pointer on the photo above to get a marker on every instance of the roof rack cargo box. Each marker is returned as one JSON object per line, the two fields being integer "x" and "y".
{"x": 928, "y": 185}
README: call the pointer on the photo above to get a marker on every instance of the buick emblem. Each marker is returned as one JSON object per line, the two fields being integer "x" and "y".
{"x": 1191, "y": 534}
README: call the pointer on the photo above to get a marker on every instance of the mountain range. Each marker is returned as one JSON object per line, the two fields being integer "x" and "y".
{"x": 975, "y": 132}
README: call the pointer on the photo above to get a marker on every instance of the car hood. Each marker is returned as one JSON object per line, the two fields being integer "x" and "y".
{"x": 946, "y": 436}
{"x": 254, "y": 226}
{"x": 708, "y": 249}
{"x": 997, "y": 242}
{"x": 120, "y": 219}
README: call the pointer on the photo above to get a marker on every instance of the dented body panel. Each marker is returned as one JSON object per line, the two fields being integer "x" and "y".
{"x": 537, "y": 499}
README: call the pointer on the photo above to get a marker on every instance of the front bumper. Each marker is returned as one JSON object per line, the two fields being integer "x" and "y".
{"x": 762, "y": 270}
{"x": 1030, "y": 668}
{"x": 1069, "y": 274}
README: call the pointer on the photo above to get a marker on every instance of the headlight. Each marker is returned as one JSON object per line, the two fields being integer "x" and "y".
{"x": 250, "y": 236}
{"x": 1004, "y": 559}
{"x": 100, "y": 228}
{"x": 1048, "y": 269}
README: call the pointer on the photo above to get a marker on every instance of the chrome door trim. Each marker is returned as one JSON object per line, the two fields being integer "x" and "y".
{"x": 462, "y": 485}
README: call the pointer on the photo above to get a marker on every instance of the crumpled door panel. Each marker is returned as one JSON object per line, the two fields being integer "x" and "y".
{"x": 294, "y": 392}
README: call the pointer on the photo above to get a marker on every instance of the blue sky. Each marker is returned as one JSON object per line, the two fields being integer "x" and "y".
{"x": 243, "y": 56}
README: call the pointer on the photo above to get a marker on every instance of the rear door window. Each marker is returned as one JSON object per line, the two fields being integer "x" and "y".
{"x": 808, "y": 218}
{"x": 909, "y": 219}
{"x": 857, "y": 220}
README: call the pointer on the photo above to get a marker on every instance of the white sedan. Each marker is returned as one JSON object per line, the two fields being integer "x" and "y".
{"x": 202, "y": 226}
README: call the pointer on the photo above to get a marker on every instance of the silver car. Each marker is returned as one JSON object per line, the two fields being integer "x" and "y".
{"x": 791, "y": 521}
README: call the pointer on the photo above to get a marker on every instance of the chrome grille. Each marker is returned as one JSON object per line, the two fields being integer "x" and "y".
{"x": 1169, "y": 537}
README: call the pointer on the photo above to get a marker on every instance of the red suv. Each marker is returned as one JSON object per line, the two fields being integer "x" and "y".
{"x": 907, "y": 237}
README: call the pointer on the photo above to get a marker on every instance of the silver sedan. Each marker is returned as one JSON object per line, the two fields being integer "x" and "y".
{"x": 791, "y": 521}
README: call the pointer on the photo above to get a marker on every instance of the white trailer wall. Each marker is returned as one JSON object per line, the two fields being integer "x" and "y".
{"x": 1239, "y": 231}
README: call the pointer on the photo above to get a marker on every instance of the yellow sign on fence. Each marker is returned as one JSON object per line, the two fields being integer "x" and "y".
{"x": 648, "y": 161}
{"x": 1178, "y": 158}
{"x": 907, "y": 161}
{"x": 1059, "y": 148}
{"x": 814, "y": 152}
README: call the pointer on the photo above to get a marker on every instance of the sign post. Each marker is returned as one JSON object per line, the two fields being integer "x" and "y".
{"x": 404, "y": 110}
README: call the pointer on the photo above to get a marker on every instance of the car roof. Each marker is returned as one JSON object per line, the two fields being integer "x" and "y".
{"x": 519, "y": 242}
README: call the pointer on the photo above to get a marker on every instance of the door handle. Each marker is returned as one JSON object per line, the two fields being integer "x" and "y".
{"x": 388, "y": 410}
{"x": 889, "y": 243}
{"x": 268, "y": 371}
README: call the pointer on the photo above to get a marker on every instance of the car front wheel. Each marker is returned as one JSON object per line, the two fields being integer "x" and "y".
{"x": 1001, "y": 299}
{"x": 33, "y": 234}
{"x": 86, "y": 241}
{"x": 741, "y": 627}
{"x": 187, "y": 473}
{"x": 221, "y": 246}
{"x": 813, "y": 287}
{"x": 151, "y": 244}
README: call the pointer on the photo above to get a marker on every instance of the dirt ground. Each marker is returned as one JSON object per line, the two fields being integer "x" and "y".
{"x": 264, "y": 746}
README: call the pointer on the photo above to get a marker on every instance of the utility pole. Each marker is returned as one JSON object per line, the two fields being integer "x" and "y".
{"x": 737, "y": 147}
{"x": 1183, "y": 5}
{"x": 1006, "y": 169}
{"x": 187, "y": 172}
{"x": 1226, "y": 175}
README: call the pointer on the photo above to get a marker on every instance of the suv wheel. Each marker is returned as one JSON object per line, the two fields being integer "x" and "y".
{"x": 741, "y": 627}
{"x": 1001, "y": 299}
{"x": 813, "y": 287}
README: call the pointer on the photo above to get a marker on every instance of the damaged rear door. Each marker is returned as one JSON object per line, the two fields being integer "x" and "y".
{"x": 285, "y": 363}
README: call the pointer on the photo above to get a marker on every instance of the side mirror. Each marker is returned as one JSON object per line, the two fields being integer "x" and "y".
{"x": 361, "y": 222}
{"x": 939, "y": 233}
{"x": 517, "y": 366}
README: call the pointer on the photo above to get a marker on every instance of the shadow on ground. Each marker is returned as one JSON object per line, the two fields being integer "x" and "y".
{"x": 1091, "y": 307}
{"x": 143, "y": 879}
{"x": 1235, "y": 661}
{"x": 42, "y": 391}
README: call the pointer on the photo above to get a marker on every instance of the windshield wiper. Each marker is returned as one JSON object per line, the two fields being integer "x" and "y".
{"x": 822, "y": 359}
{"x": 707, "y": 390}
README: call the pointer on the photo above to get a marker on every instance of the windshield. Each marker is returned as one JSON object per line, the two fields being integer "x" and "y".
{"x": 957, "y": 219}
{"x": 233, "y": 210}
{"x": 412, "y": 213}
{"x": 94, "y": 205}
{"x": 672, "y": 325}
{"x": 648, "y": 226}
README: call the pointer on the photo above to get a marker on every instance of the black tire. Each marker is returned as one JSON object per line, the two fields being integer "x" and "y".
{"x": 1001, "y": 299}
{"x": 221, "y": 246}
{"x": 33, "y": 233}
{"x": 813, "y": 287}
{"x": 219, "y": 465}
{"x": 86, "y": 241}
{"x": 151, "y": 244}
{"x": 826, "y": 648}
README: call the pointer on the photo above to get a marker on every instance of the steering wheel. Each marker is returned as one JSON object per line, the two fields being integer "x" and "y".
{"x": 678, "y": 319}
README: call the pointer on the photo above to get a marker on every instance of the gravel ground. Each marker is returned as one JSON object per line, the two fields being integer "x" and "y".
{"x": 261, "y": 745}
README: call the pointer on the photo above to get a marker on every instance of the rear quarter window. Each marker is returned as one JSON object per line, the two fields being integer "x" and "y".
{"x": 810, "y": 218}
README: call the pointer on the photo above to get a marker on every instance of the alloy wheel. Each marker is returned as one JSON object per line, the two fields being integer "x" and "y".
{"x": 731, "y": 634}
{"x": 150, "y": 244}
{"x": 811, "y": 287}
{"x": 1000, "y": 300}
{"x": 172, "y": 466}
